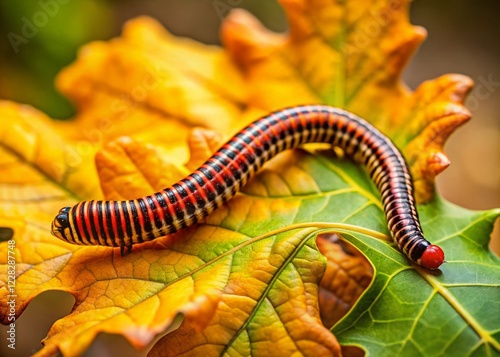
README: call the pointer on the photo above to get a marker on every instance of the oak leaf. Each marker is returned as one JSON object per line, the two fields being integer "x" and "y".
{"x": 351, "y": 55}
{"x": 248, "y": 279}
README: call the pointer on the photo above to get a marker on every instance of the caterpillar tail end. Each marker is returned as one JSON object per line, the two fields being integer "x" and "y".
{"x": 432, "y": 258}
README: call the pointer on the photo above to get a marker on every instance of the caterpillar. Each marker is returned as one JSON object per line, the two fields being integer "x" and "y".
{"x": 124, "y": 223}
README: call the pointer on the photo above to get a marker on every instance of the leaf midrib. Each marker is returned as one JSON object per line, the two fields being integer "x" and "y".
{"x": 450, "y": 298}
{"x": 269, "y": 286}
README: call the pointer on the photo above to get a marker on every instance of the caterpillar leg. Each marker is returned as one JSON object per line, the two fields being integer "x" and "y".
{"x": 122, "y": 249}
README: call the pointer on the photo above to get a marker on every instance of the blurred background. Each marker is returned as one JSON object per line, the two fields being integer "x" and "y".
{"x": 463, "y": 38}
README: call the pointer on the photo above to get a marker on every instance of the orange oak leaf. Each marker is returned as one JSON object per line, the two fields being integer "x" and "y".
{"x": 128, "y": 169}
{"x": 351, "y": 55}
{"x": 202, "y": 143}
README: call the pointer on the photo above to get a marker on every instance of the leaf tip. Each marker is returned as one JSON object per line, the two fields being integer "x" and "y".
{"x": 246, "y": 39}
{"x": 437, "y": 163}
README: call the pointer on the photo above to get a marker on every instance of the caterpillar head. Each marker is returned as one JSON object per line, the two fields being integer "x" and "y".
{"x": 60, "y": 225}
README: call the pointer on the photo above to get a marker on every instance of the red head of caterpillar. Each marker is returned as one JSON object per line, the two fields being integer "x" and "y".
{"x": 433, "y": 257}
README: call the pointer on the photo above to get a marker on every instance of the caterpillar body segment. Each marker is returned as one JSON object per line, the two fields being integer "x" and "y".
{"x": 124, "y": 223}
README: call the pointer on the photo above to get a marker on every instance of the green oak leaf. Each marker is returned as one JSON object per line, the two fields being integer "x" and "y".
{"x": 408, "y": 311}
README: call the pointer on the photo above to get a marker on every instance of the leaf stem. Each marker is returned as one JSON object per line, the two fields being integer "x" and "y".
{"x": 333, "y": 226}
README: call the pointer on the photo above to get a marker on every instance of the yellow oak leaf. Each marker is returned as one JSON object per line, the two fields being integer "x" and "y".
{"x": 28, "y": 139}
{"x": 255, "y": 315}
{"x": 148, "y": 77}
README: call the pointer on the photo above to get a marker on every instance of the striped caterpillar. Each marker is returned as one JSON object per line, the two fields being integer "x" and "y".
{"x": 124, "y": 223}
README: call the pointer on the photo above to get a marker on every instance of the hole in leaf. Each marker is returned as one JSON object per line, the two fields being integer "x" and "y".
{"x": 6, "y": 234}
{"x": 32, "y": 326}
{"x": 348, "y": 273}
{"x": 352, "y": 351}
